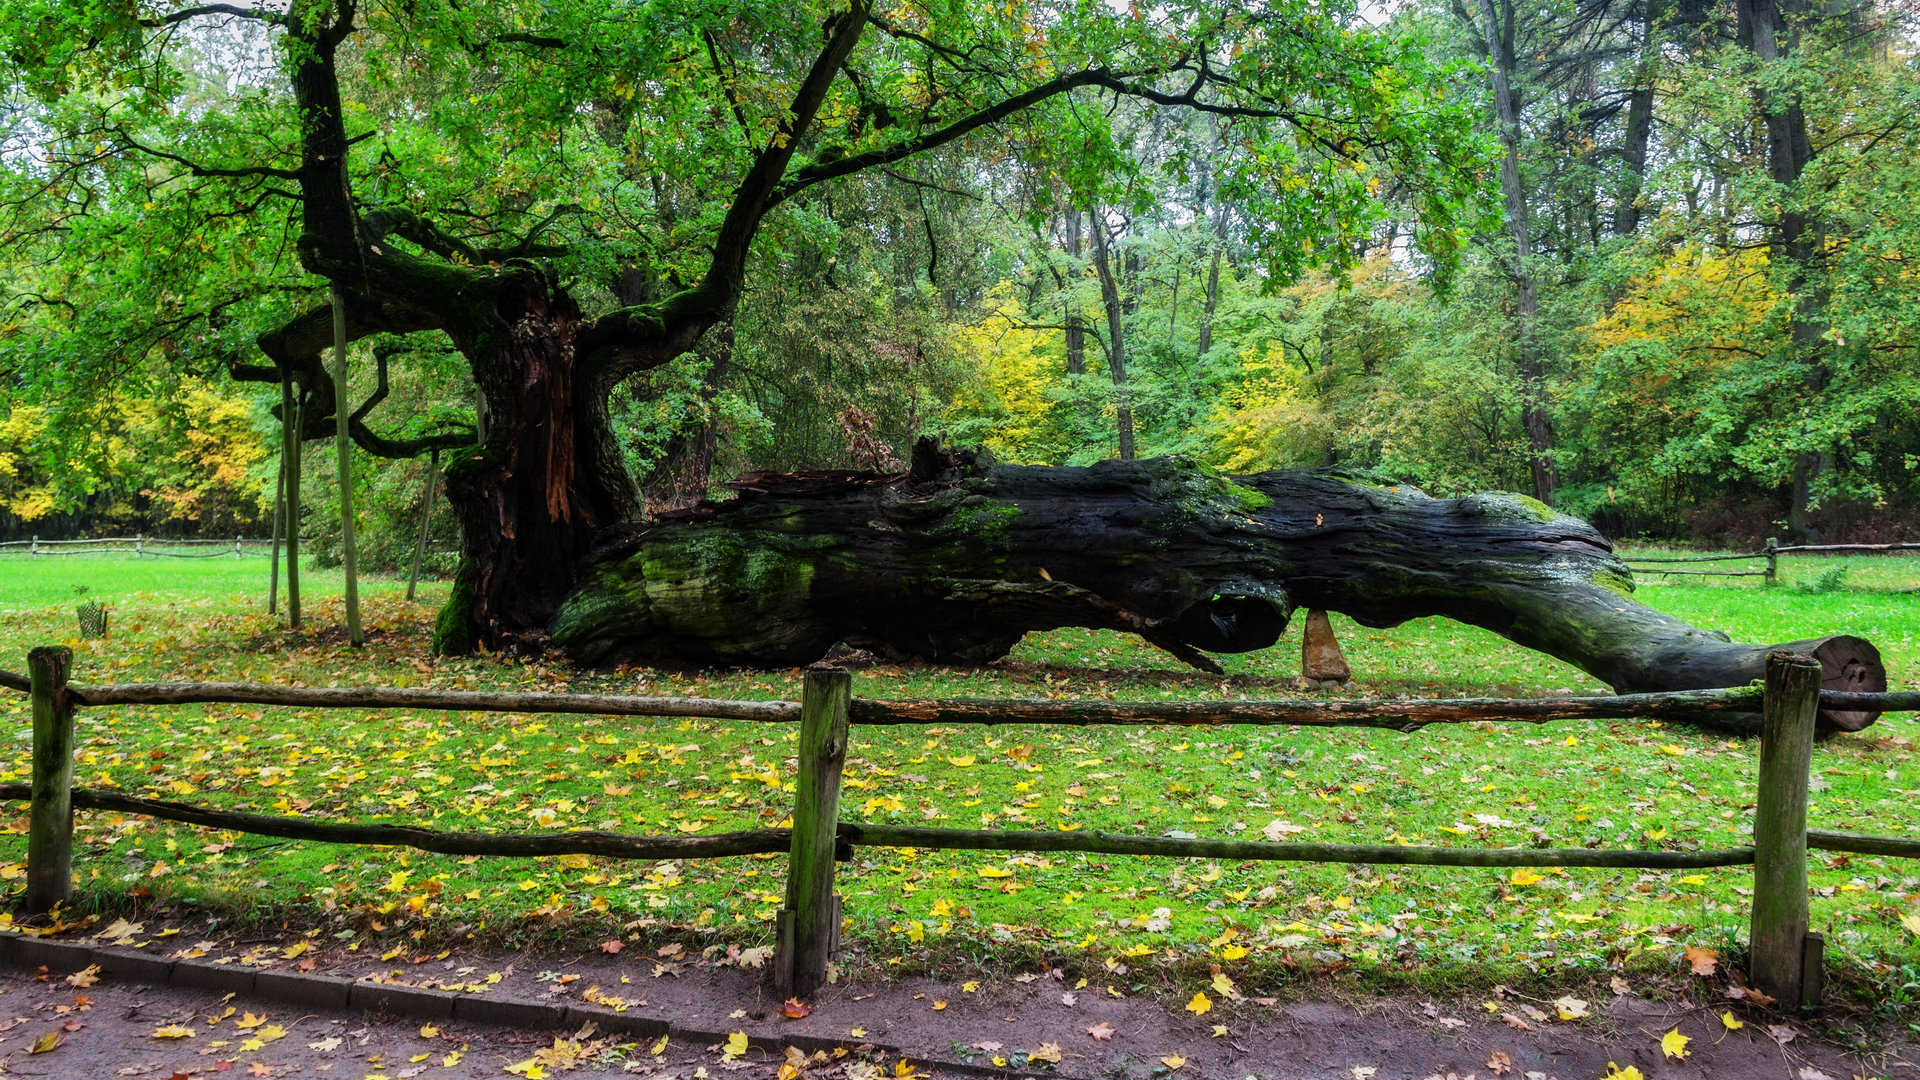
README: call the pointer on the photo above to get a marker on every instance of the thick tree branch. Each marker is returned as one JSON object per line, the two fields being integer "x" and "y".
{"x": 184, "y": 14}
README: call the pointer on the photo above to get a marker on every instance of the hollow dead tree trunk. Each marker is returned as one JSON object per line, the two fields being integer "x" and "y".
{"x": 954, "y": 563}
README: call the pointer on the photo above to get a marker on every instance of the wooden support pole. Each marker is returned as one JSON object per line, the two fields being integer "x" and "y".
{"x": 290, "y": 437}
{"x": 50, "y": 821}
{"x": 1773, "y": 560}
{"x": 343, "y": 447}
{"x": 279, "y": 516}
{"x": 426, "y": 518}
{"x": 1777, "y": 964}
{"x": 811, "y": 920}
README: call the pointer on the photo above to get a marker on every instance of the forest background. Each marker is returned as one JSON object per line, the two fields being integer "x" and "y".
{"x": 1681, "y": 301}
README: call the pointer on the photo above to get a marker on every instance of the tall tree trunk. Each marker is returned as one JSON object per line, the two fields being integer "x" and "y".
{"x": 1766, "y": 29}
{"x": 1534, "y": 418}
{"x": 1116, "y": 335}
{"x": 1639, "y": 133}
{"x": 549, "y": 476}
{"x": 1212, "y": 302}
{"x": 685, "y": 470}
{"x": 1076, "y": 328}
{"x": 953, "y": 563}
{"x": 343, "y": 444}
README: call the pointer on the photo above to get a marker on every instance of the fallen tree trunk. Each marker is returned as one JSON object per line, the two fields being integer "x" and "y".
{"x": 953, "y": 562}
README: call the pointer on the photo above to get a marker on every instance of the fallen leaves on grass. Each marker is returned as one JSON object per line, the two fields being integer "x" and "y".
{"x": 1704, "y": 962}
{"x": 1200, "y": 1004}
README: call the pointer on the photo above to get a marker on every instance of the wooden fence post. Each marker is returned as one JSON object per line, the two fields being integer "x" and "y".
{"x": 1779, "y": 939}
{"x": 809, "y": 926}
{"x": 33, "y": 552}
{"x": 1773, "y": 560}
{"x": 50, "y": 821}
{"x": 139, "y": 544}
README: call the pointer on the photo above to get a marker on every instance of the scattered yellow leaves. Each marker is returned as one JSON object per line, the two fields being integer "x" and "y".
{"x": 1570, "y": 1008}
{"x": 735, "y": 1046}
{"x": 1049, "y": 1054}
{"x": 1912, "y": 923}
{"x": 1200, "y": 1004}
{"x": 249, "y": 1021}
{"x": 1732, "y": 1022}
{"x": 173, "y": 1031}
{"x": 1615, "y": 1072}
{"x": 1674, "y": 1045}
{"x": 1525, "y": 876}
{"x": 1173, "y": 1061}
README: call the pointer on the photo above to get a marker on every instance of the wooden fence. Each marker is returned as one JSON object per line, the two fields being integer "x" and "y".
{"x": 1771, "y": 552}
{"x": 139, "y": 546}
{"x": 1785, "y": 958}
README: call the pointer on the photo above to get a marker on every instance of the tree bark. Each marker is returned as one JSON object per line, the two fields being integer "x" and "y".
{"x": 1116, "y": 336}
{"x": 952, "y": 563}
{"x": 1766, "y": 29}
{"x": 1639, "y": 133}
{"x": 681, "y": 477}
{"x": 1497, "y": 34}
{"x": 1076, "y": 329}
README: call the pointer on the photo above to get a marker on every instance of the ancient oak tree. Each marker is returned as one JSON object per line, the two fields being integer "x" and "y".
{"x": 535, "y": 204}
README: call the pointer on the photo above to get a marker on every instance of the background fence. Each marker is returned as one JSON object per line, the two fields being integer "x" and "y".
{"x": 1657, "y": 564}
{"x": 1785, "y": 959}
{"x": 139, "y": 547}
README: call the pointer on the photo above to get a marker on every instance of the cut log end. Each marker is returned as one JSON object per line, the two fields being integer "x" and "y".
{"x": 1852, "y": 664}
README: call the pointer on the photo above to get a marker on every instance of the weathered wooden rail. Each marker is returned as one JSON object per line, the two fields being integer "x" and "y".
{"x": 1785, "y": 959}
{"x": 1771, "y": 552}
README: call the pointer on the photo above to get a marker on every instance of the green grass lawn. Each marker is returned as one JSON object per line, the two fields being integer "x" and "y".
{"x": 1123, "y": 921}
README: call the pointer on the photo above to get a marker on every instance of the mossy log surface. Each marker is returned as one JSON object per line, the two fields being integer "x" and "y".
{"x": 952, "y": 562}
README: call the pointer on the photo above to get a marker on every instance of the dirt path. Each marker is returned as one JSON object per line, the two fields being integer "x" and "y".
{"x": 241, "y": 1021}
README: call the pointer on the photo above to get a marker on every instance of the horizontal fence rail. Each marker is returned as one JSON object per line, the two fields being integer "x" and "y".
{"x": 1771, "y": 552}
{"x": 1407, "y": 714}
{"x": 389, "y": 697}
{"x": 1786, "y": 957}
{"x": 586, "y": 842}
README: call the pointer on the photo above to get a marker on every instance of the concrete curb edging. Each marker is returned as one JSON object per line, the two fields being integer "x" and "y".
{"x": 335, "y": 993}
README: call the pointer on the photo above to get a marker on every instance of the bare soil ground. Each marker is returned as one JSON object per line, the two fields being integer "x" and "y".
{"x": 98, "y": 1025}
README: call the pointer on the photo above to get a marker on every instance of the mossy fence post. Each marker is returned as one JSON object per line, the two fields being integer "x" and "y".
{"x": 1773, "y": 560}
{"x": 50, "y": 820}
{"x": 809, "y": 926}
{"x": 1782, "y": 948}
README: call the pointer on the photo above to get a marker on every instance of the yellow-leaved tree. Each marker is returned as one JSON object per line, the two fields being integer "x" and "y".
{"x": 1017, "y": 375}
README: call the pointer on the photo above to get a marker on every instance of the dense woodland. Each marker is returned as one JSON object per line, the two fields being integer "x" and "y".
{"x": 1650, "y": 261}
